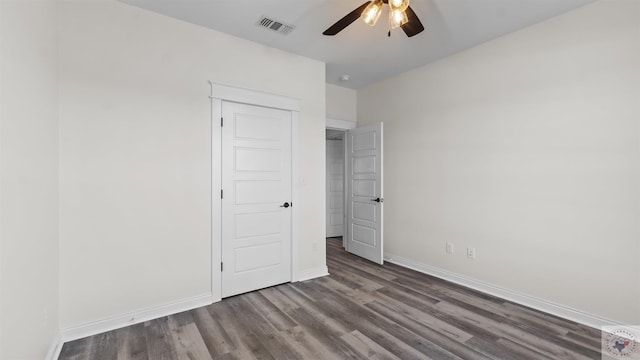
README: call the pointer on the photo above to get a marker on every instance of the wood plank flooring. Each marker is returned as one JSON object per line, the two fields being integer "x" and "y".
{"x": 361, "y": 311}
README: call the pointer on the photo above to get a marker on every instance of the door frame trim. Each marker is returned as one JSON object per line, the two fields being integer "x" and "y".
{"x": 223, "y": 92}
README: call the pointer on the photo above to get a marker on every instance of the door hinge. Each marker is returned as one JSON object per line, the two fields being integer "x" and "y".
{"x": 221, "y": 194}
{"x": 221, "y": 122}
{"x": 221, "y": 266}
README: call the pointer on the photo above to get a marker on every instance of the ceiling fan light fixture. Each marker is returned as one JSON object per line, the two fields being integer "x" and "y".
{"x": 372, "y": 12}
{"x": 401, "y": 5}
{"x": 397, "y": 18}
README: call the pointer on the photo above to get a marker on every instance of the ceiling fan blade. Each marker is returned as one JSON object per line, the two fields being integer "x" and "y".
{"x": 345, "y": 21}
{"x": 413, "y": 26}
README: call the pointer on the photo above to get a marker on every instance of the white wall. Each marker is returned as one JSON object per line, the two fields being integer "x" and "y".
{"x": 341, "y": 103}
{"x": 526, "y": 148}
{"x": 28, "y": 180}
{"x": 135, "y": 172}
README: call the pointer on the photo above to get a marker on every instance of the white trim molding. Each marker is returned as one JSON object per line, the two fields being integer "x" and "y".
{"x": 134, "y": 317}
{"x": 295, "y": 194}
{"x": 337, "y": 124}
{"x": 309, "y": 274}
{"x": 216, "y": 202}
{"x": 503, "y": 293}
{"x": 253, "y": 97}
{"x": 55, "y": 349}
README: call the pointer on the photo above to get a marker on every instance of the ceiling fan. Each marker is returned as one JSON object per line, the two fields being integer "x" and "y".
{"x": 400, "y": 15}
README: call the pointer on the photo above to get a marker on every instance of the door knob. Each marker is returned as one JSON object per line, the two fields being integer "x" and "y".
{"x": 379, "y": 200}
{"x": 285, "y": 205}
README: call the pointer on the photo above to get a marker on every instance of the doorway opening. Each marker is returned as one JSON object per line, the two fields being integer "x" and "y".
{"x": 354, "y": 191}
{"x": 335, "y": 137}
{"x": 335, "y": 183}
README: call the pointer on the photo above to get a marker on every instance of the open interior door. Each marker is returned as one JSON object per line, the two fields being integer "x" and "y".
{"x": 364, "y": 192}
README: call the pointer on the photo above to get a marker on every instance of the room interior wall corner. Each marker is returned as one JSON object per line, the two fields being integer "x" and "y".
{"x": 525, "y": 148}
{"x": 29, "y": 277}
{"x": 341, "y": 103}
{"x": 135, "y": 155}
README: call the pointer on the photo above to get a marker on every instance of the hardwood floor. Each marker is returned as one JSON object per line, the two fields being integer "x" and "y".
{"x": 361, "y": 311}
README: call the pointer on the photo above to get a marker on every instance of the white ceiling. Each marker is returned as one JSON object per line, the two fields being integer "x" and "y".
{"x": 364, "y": 53}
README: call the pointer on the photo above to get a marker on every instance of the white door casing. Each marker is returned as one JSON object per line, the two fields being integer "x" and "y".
{"x": 335, "y": 188}
{"x": 365, "y": 192}
{"x": 220, "y": 93}
{"x": 256, "y": 211}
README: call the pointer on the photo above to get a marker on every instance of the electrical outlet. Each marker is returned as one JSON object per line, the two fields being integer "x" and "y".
{"x": 449, "y": 248}
{"x": 471, "y": 253}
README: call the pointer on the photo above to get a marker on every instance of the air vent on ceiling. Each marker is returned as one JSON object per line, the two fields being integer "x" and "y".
{"x": 274, "y": 25}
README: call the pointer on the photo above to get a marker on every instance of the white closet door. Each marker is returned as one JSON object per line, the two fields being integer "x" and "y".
{"x": 256, "y": 202}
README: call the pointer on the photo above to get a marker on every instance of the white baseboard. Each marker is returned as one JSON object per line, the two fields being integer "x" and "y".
{"x": 56, "y": 347}
{"x": 513, "y": 296}
{"x": 309, "y": 274}
{"x": 134, "y": 317}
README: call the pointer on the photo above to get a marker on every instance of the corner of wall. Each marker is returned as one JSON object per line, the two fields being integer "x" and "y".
{"x": 341, "y": 103}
